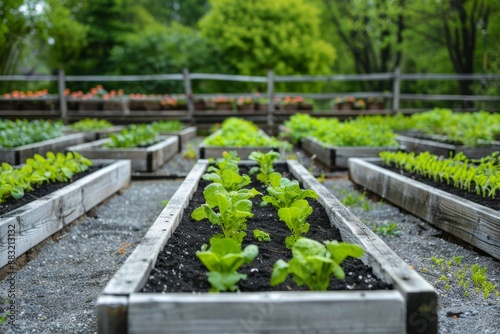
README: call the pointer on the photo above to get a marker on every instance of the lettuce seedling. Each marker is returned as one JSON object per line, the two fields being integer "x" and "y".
{"x": 295, "y": 218}
{"x": 283, "y": 192}
{"x": 233, "y": 210}
{"x": 261, "y": 236}
{"x": 223, "y": 259}
{"x": 265, "y": 168}
{"x": 227, "y": 172}
{"x": 313, "y": 264}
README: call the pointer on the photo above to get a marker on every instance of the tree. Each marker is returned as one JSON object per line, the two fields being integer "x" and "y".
{"x": 185, "y": 12}
{"x": 254, "y": 36}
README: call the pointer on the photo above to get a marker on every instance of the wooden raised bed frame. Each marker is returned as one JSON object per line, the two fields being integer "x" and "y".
{"x": 475, "y": 224}
{"x": 147, "y": 159}
{"x": 18, "y": 155}
{"x": 417, "y": 145}
{"x": 38, "y": 220}
{"x": 410, "y": 307}
{"x": 336, "y": 156}
{"x": 185, "y": 135}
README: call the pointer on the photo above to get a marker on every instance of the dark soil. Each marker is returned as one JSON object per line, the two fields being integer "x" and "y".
{"x": 39, "y": 192}
{"x": 179, "y": 270}
{"x": 489, "y": 202}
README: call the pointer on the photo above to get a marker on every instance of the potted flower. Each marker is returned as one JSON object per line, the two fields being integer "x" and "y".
{"x": 223, "y": 103}
{"x": 375, "y": 103}
{"x": 291, "y": 103}
{"x": 359, "y": 104}
{"x": 245, "y": 103}
{"x": 344, "y": 103}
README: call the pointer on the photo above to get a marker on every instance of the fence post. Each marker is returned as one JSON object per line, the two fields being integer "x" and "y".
{"x": 61, "y": 87}
{"x": 270, "y": 96}
{"x": 189, "y": 94}
{"x": 396, "y": 90}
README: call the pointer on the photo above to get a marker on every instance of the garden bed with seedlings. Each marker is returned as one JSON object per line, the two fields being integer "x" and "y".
{"x": 443, "y": 145}
{"x": 140, "y": 144}
{"x": 28, "y": 218}
{"x": 127, "y": 302}
{"x": 470, "y": 216}
{"x": 94, "y": 129}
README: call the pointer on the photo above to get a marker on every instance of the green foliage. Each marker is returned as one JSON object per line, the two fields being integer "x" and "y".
{"x": 354, "y": 199}
{"x": 261, "y": 236}
{"x": 258, "y": 35}
{"x": 223, "y": 260}
{"x": 15, "y": 182}
{"x": 313, "y": 264}
{"x": 134, "y": 136}
{"x": 295, "y": 218}
{"x": 265, "y": 168}
{"x": 283, "y": 192}
{"x": 386, "y": 228}
{"x": 234, "y": 208}
{"x": 23, "y": 132}
{"x": 90, "y": 124}
{"x": 190, "y": 153}
{"x": 237, "y": 132}
{"x": 227, "y": 172}
{"x": 167, "y": 126}
{"x": 483, "y": 176}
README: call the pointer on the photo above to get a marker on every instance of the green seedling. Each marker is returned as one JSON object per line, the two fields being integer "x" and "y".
{"x": 265, "y": 168}
{"x": 261, "y": 236}
{"x": 283, "y": 192}
{"x": 295, "y": 218}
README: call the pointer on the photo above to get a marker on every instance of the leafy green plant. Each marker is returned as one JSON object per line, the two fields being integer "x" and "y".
{"x": 167, "y": 126}
{"x": 283, "y": 191}
{"x": 265, "y": 168}
{"x": 261, "y": 236}
{"x": 295, "y": 218}
{"x": 483, "y": 176}
{"x": 223, "y": 260}
{"x": 190, "y": 153}
{"x": 313, "y": 264}
{"x": 14, "y": 182}
{"x": 227, "y": 173}
{"x": 4, "y": 314}
{"x": 23, "y": 132}
{"x": 386, "y": 228}
{"x": 134, "y": 136}
{"x": 90, "y": 124}
{"x": 233, "y": 210}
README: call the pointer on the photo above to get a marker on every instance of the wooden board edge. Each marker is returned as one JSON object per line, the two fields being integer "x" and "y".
{"x": 129, "y": 278}
{"x": 421, "y": 297}
{"x": 112, "y": 314}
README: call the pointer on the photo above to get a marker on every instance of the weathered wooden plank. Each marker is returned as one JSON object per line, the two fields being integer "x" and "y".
{"x": 133, "y": 274}
{"x": 471, "y": 222}
{"x": 112, "y": 314}
{"x": 273, "y": 312}
{"x": 184, "y": 135}
{"x": 146, "y": 159}
{"x": 36, "y": 221}
{"x": 337, "y": 156}
{"x": 18, "y": 155}
{"x": 420, "y": 296}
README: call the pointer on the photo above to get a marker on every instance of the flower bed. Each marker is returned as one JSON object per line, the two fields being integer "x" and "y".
{"x": 469, "y": 221}
{"x": 144, "y": 159}
{"x": 36, "y": 221}
{"x": 411, "y": 306}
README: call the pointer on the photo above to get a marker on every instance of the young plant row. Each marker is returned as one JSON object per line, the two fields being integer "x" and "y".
{"x": 91, "y": 124}
{"x": 330, "y": 131}
{"x": 479, "y": 176}
{"x": 237, "y": 132}
{"x": 228, "y": 205}
{"x": 15, "y": 182}
{"x": 22, "y": 132}
{"x": 142, "y": 135}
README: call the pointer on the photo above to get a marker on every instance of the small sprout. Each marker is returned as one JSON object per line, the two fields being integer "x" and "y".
{"x": 424, "y": 270}
{"x": 443, "y": 278}
{"x": 447, "y": 287}
{"x": 457, "y": 260}
{"x": 261, "y": 236}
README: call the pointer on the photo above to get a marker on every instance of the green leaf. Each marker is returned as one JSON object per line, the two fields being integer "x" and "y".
{"x": 280, "y": 272}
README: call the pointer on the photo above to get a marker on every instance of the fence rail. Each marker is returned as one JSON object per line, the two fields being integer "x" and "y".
{"x": 271, "y": 79}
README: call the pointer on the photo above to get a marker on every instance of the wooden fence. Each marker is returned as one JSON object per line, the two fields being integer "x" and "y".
{"x": 395, "y": 96}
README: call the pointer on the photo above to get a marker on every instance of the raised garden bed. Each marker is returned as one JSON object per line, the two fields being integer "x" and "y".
{"x": 36, "y": 221}
{"x": 96, "y": 134}
{"x": 474, "y": 223}
{"x": 184, "y": 135}
{"x": 411, "y": 307}
{"x": 440, "y": 145}
{"x": 18, "y": 155}
{"x": 144, "y": 159}
{"x": 337, "y": 156}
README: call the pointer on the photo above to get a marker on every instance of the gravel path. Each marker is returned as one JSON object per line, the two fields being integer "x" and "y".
{"x": 57, "y": 291}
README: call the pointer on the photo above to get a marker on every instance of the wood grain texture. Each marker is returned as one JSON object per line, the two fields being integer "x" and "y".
{"x": 146, "y": 159}
{"x": 18, "y": 155}
{"x": 36, "y": 221}
{"x": 277, "y": 312}
{"x": 471, "y": 222}
{"x": 337, "y": 156}
{"x": 112, "y": 314}
{"x": 133, "y": 274}
{"x": 418, "y": 145}
{"x": 185, "y": 135}
{"x": 420, "y": 296}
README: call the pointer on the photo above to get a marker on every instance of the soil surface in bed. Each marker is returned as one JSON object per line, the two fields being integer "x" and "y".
{"x": 41, "y": 191}
{"x": 179, "y": 270}
{"x": 489, "y": 202}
